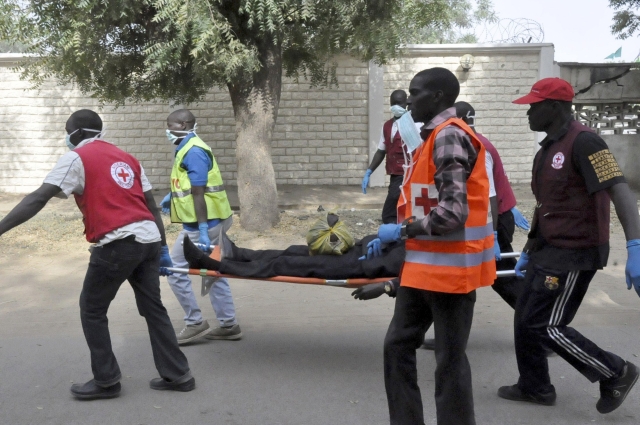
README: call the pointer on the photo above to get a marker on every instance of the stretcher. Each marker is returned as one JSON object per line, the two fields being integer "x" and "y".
{"x": 344, "y": 283}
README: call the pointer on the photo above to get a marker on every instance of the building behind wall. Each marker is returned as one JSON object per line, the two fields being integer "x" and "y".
{"x": 323, "y": 136}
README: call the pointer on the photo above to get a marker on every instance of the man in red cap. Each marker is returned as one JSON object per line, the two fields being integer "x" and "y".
{"x": 574, "y": 179}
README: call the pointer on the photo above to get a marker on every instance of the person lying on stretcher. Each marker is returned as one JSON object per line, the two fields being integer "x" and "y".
{"x": 297, "y": 260}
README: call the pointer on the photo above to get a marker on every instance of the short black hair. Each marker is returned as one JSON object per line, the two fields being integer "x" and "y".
{"x": 86, "y": 118}
{"x": 397, "y": 95}
{"x": 441, "y": 79}
{"x": 183, "y": 115}
{"x": 463, "y": 109}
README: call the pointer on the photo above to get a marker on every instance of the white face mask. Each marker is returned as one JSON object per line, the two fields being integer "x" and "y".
{"x": 397, "y": 111}
{"x": 409, "y": 133}
{"x": 173, "y": 139}
{"x": 71, "y": 146}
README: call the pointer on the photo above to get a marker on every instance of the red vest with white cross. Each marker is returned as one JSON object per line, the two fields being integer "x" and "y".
{"x": 112, "y": 196}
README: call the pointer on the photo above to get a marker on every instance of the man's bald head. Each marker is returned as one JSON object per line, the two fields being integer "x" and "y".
{"x": 182, "y": 117}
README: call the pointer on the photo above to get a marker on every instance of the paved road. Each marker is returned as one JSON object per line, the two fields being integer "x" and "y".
{"x": 310, "y": 355}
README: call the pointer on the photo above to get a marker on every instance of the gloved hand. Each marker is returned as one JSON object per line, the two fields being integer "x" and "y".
{"x": 365, "y": 180}
{"x": 166, "y": 204}
{"x": 369, "y": 292}
{"x": 496, "y": 246}
{"x": 389, "y": 233}
{"x": 374, "y": 249}
{"x": 165, "y": 261}
{"x": 521, "y": 264}
{"x": 521, "y": 222}
{"x": 632, "y": 271}
{"x": 204, "y": 240}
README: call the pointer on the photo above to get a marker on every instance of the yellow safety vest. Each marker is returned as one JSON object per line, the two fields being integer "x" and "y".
{"x": 182, "y": 206}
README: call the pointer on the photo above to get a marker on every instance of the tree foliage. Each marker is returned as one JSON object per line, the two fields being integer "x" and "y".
{"x": 626, "y": 19}
{"x": 177, "y": 50}
{"x": 139, "y": 50}
{"x": 463, "y": 16}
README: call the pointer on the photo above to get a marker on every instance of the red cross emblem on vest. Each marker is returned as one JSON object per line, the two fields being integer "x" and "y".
{"x": 122, "y": 174}
{"x": 425, "y": 199}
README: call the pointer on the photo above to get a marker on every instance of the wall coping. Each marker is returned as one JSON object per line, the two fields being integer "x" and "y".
{"x": 11, "y": 59}
{"x": 511, "y": 48}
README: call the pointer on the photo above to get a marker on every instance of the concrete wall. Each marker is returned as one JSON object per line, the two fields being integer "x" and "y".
{"x": 624, "y": 148}
{"x": 323, "y": 136}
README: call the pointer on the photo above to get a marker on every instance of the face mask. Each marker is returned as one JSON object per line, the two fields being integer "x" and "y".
{"x": 409, "y": 133}
{"x": 67, "y": 140}
{"x": 397, "y": 111}
{"x": 71, "y": 146}
{"x": 173, "y": 138}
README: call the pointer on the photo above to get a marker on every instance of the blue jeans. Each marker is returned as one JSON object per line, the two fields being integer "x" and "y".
{"x": 220, "y": 294}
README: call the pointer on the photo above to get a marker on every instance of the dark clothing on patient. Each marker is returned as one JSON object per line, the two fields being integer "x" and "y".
{"x": 296, "y": 261}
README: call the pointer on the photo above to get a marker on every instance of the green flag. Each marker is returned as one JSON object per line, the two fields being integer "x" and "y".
{"x": 617, "y": 54}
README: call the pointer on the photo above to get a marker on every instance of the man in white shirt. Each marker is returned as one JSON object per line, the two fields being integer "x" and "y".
{"x": 123, "y": 222}
{"x": 392, "y": 147}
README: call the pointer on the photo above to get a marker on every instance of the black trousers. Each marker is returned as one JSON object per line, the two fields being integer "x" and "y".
{"x": 547, "y": 305}
{"x": 390, "y": 207}
{"x": 507, "y": 287}
{"x": 296, "y": 261}
{"x": 109, "y": 266}
{"x": 452, "y": 315}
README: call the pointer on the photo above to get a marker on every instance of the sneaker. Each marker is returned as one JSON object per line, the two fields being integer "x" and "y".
{"x": 192, "y": 333}
{"x": 164, "y": 385}
{"x": 613, "y": 391}
{"x": 91, "y": 391}
{"x": 231, "y": 333}
{"x": 516, "y": 394}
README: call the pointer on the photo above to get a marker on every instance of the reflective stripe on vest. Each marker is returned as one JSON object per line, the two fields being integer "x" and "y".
{"x": 467, "y": 234}
{"x": 208, "y": 189}
{"x": 448, "y": 259}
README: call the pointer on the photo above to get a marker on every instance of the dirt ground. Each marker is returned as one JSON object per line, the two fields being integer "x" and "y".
{"x": 58, "y": 227}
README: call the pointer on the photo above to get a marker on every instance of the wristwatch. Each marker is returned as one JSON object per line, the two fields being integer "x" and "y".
{"x": 403, "y": 232}
{"x": 388, "y": 288}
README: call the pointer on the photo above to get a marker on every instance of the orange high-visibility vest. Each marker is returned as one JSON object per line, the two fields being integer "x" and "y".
{"x": 459, "y": 261}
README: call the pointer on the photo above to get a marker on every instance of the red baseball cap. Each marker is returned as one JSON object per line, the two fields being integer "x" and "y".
{"x": 548, "y": 88}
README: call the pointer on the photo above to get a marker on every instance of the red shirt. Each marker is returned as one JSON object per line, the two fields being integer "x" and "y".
{"x": 506, "y": 198}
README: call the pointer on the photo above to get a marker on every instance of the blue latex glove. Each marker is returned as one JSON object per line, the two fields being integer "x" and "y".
{"x": 165, "y": 261}
{"x": 389, "y": 233}
{"x": 496, "y": 246}
{"x": 365, "y": 180}
{"x": 521, "y": 265}
{"x": 521, "y": 222}
{"x": 632, "y": 271}
{"x": 166, "y": 204}
{"x": 374, "y": 249}
{"x": 204, "y": 240}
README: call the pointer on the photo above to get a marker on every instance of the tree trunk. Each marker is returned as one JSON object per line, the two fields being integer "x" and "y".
{"x": 255, "y": 106}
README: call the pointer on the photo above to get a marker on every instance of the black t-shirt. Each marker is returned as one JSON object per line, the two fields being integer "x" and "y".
{"x": 592, "y": 159}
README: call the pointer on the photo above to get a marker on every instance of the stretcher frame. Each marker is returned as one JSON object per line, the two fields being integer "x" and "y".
{"x": 343, "y": 283}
